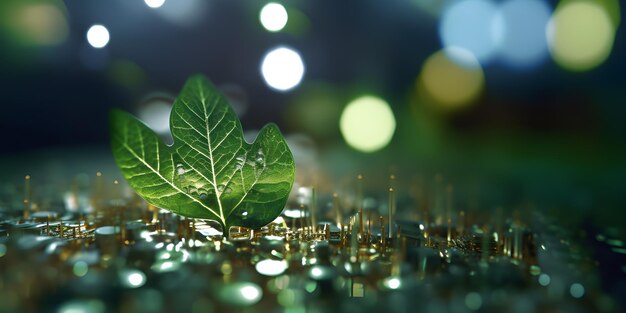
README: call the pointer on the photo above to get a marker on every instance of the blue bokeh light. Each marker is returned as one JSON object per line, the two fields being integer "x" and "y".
{"x": 473, "y": 25}
{"x": 524, "y": 43}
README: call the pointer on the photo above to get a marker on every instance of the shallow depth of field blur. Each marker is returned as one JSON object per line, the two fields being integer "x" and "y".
{"x": 518, "y": 103}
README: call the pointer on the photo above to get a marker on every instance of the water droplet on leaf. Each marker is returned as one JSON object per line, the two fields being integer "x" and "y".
{"x": 239, "y": 162}
{"x": 180, "y": 170}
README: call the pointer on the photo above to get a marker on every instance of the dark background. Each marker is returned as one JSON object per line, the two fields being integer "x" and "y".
{"x": 544, "y": 137}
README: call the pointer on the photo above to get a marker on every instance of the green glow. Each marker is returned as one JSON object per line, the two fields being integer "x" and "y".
{"x": 581, "y": 35}
{"x": 367, "y": 124}
{"x": 80, "y": 268}
{"x": 577, "y": 290}
{"x": 473, "y": 300}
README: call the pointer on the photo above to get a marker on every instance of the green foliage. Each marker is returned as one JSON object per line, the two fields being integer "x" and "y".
{"x": 210, "y": 172}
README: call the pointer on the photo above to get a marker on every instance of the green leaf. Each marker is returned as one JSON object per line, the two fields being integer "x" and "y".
{"x": 210, "y": 171}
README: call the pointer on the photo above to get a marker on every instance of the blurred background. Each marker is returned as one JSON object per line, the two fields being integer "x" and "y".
{"x": 519, "y": 103}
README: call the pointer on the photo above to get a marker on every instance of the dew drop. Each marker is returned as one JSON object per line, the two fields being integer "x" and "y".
{"x": 260, "y": 157}
{"x": 239, "y": 162}
{"x": 180, "y": 170}
{"x": 204, "y": 196}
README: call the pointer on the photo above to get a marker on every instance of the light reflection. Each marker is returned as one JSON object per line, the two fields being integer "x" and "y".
{"x": 295, "y": 213}
{"x": 282, "y": 68}
{"x": 133, "y": 278}
{"x": 251, "y": 292}
{"x": 393, "y": 283}
{"x": 270, "y": 267}
{"x": 82, "y": 306}
{"x": 241, "y": 293}
{"x": 163, "y": 266}
{"x": 136, "y": 279}
{"x": 167, "y": 265}
{"x": 316, "y": 272}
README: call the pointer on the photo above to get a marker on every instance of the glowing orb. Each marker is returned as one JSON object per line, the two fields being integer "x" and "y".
{"x": 154, "y": 3}
{"x": 282, "y": 68}
{"x": 270, "y": 267}
{"x": 580, "y": 35}
{"x": 273, "y": 17}
{"x": 367, "y": 124}
{"x": 524, "y": 43}
{"x": 474, "y": 25}
{"x": 98, "y": 36}
{"x": 449, "y": 84}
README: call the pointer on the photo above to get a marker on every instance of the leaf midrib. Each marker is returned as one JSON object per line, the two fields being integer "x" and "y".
{"x": 125, "y": 145}
{"x": 208, "y": 137}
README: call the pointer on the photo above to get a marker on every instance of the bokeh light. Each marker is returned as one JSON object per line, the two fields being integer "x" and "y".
{"x": 136, "y": 279}
{"x": 156, "y": 113}
{"x": 524, "y": 43}
{"x": 367, "y": 124}
{"x": 132, "y": 278}
{"x": 473, "y": 301}
{"x": 82, "y": 306}
{"x": 154, "y": 3}
{"x": 80, "y": 268}
{"x": 98, "y": 36}
{"x": 392, "y": 283}
{"x": 185, "y": 13}
{"x": 241, "y": 293}
{"x": 269, "y": 267}
{"x": 39, "y": 24}
{"x": 251, "y": 292}
{"x": 449, "y": 84}
{"x": 580, "y": 35}
{"x": 273, "y": 17}
{"x": 474, "y": 25}
{"x": 282, "y": 68}
{"x": 577, "y": 290}
{"x": 544, "y": 279}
